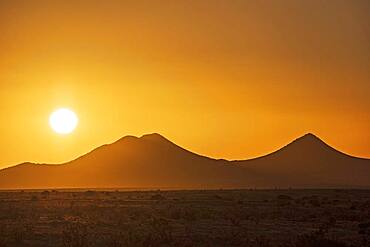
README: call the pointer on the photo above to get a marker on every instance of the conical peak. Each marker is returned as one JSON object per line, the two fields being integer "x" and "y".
{"x": 308, "y": 140}
{"x": 309, "y": 136}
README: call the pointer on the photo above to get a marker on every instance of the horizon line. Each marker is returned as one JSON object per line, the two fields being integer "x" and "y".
{"x": 307, "y": 134}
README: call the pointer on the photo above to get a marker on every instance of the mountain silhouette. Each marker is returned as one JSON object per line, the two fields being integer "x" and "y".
{"x": 310, "y": 162}
{"x": 152, "y": 161}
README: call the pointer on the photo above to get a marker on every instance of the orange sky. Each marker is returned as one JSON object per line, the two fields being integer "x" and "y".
{"x": 227, "y": 79}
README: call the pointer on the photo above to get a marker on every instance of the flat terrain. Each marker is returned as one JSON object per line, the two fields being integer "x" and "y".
{"x": 185, "y": 218}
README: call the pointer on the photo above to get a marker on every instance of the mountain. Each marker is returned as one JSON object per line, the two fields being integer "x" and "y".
{"x": 152, "y": 161}
{"x": 310, "y": 162}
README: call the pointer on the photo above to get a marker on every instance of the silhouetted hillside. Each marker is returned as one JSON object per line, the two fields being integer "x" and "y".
{"x": 310, "y": 162}
{"x": 152, "y": 161}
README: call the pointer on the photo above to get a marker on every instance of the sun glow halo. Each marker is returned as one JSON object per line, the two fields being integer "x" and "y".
{"x": 63, "y": 121}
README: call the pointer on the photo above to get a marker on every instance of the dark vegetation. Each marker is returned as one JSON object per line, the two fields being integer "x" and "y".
{"x": 260, "y": 218}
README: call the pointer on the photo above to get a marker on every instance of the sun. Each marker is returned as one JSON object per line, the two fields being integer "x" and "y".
{"x": 63, "y": 121}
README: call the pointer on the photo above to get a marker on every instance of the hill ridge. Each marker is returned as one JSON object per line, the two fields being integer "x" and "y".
{"x": 309, "y": 136}
{"x": 152, "y": 160}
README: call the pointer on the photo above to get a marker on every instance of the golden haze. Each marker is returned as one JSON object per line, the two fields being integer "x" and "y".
{"x": 230, "y": 79}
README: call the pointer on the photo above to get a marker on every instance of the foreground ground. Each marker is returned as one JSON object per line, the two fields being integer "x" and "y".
{"x": 185, "y": 218}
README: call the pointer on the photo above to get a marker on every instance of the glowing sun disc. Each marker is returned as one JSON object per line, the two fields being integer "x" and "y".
{"x": 63, "y": 121}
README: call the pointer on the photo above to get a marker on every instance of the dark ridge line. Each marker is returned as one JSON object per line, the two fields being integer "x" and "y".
{"x": 156, "y": 136}
{"x": 302, "y": 138}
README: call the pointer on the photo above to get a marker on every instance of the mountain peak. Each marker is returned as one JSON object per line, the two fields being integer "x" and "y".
{"x": 309, "y": 136}
{"x": 154, "y": 136}
{"x": 128, "y": 138}
{"x": 152, "y": 161}
{"x": 308, "y": 143}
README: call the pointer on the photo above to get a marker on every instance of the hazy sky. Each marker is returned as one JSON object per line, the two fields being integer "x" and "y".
{"x": 227, "y": 79}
